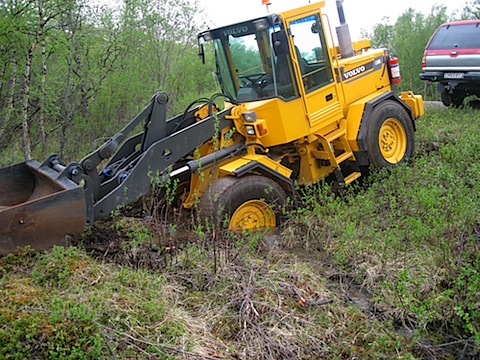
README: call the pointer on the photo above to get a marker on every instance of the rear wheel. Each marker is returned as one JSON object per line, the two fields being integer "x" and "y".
{"x": 455, "y": 99}
{"x": 446, "y": 100}
{"x": 247, "y": 203}
{"x": 390, "y": 138}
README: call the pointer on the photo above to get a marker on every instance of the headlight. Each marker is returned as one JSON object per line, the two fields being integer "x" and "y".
{"x": 250, "y": 129}
{"x": 206, "y": 36}
{"x": 249, "y": 116}
{"x": 261, "y": 24}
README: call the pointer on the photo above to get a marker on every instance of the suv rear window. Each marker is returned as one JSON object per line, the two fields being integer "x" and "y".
{"x": 466, "y": 36}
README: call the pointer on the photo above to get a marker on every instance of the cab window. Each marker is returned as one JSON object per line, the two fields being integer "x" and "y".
{"x": 311, "y": 51}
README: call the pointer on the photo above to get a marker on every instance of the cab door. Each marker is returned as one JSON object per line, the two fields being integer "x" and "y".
{"x": 314, "y": 71}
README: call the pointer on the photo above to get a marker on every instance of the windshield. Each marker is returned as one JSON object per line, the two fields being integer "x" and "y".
{"x": 248, "y": 67}
{"x": 463, "y": 36}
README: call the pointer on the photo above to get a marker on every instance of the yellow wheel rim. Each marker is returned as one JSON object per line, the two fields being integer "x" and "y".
{"x": 392, "y": 141}
{"x": 253, "y": 215}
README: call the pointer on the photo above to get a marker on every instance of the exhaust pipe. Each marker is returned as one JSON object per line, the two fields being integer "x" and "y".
{"x": 343, "y": 33}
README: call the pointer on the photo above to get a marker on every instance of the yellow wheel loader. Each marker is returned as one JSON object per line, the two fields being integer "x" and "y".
{"x": 299, "y": 107}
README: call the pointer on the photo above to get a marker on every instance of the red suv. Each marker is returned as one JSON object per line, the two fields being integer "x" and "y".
{"x": 452, "y": 60}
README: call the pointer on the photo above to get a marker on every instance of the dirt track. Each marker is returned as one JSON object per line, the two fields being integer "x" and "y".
{"x": 434, "y": 105}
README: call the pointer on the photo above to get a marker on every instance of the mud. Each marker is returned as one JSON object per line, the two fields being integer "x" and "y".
{"x": 107, "y": 242}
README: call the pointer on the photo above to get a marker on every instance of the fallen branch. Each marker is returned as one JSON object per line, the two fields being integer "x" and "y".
{"x": 318, "y": 302}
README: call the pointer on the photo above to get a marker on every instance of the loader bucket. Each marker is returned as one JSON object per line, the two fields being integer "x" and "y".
{"x": 38, "y": 208}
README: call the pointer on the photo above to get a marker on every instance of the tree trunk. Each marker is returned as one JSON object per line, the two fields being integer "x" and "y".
{"x": 10, "y": 98}
{"x": 67, "y": 99}
{"x": 27, "y": 151}
{"x": 43, "y": 100}
{"x": 2, "y": 76}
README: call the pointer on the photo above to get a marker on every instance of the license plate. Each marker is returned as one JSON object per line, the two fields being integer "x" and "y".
{"x": 453, "y": 76}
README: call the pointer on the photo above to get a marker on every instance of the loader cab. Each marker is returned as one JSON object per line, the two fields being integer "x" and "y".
{"x": 253, "y": 60}
{"x": 256, "y": 59}
{"x": 280, "y": 66}
{"x": 282, "y": 56}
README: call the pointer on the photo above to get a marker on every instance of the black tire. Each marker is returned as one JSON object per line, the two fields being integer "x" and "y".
{"x": 446, "y": 100}
{"x": 256, "y": 200}
{"x": 455, "y": 99}
{"x": 390, "y": 138}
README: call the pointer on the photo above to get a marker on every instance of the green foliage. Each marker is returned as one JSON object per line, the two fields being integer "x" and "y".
{"x": 467, "y": 285}
{"x": 411, "y": 235}
{"x": 58, "y": 268}
{"x": 72, "y": 307}
{"x": 247, "y": 58}
{"x": 102, "y": 67}
{"x": 406, "y": 39}
{"x": 375, "y": 270}
{"x": 397, "y": 252}
{"x": 471, "y": 10}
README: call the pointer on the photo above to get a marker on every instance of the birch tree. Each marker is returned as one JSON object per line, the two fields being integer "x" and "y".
{"x": 471, "y": 10}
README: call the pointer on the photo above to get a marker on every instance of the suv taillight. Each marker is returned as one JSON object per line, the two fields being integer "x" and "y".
{"x": 424, "y": 62}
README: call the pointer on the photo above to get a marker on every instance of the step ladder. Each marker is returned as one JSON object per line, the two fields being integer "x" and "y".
{"x": 336, "y": 141}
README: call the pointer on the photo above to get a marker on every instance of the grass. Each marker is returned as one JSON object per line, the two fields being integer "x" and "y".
{"x": 388, "y": 268}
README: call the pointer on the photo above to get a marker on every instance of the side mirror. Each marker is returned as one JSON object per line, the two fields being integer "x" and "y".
{"x": 201, "y": 50}
{"x": 280, "y": 42}
{"x": 201, "y": 53}
{"x": 316, "y": 28}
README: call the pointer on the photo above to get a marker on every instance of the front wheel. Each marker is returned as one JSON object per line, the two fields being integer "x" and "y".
{"x": 249, "y": 203}
{"x": 390, "y": 138}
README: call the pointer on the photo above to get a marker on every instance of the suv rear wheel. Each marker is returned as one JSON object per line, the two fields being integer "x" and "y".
{"x": 454, "y": 99}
